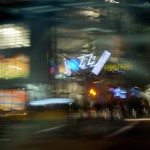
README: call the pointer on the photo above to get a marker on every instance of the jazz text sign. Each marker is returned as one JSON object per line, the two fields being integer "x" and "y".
{"x": 87, "y": 61}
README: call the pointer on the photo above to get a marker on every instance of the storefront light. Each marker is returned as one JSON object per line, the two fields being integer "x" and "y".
{"x": 14, "y": 36}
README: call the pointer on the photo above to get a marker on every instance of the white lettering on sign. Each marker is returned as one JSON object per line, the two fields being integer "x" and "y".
{"x": 87, "y": 61}
{"x": 101, "y": 62}
{"x": 68, "y": 71}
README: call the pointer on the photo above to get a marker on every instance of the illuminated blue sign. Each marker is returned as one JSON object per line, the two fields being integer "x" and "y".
{"x": 84, "y": 62}
{"x": 118, "y": 92}
{"x": 73, "y": 64}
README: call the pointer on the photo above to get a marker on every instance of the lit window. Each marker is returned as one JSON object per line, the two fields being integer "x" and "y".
{"x": 14, "y": 36}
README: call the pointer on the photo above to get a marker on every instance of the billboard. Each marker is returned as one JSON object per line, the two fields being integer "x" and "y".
{"x": 13, "y": 100}
{"x": 14, "y": 67}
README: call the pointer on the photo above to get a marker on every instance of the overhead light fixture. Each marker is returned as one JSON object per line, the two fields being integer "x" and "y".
{"x": 90, "y": 13}
{"x": 112, "y": 1}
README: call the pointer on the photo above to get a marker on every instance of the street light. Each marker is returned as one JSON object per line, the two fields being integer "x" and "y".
{"x": 92, "y": 92}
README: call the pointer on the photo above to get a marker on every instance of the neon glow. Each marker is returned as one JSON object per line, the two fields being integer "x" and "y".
{"x": 51, "y": 101}
{"x": 68, "y": 71}
{"x": 73, "y": 64}
{"x": 82, "y": 62}
{"x": 87, "y": 61}
{"x": 118, "y": 92}
{"x": 101, "y": 62}
{"x": 115, "y": 67}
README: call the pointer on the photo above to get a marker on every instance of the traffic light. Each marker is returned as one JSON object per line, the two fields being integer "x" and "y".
{"x": 92, "y": 92}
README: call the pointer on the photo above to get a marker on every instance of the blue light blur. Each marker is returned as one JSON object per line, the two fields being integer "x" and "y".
{"x": 73, "y": 64}
{"x": 118, "y": 92}
{"x": 51, "y": 101}
{"x": 135, "y": 91}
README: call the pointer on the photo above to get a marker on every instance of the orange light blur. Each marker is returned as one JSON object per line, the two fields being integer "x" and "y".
{"x": 12, "y": 99}
{"x": 92, "y": 92}
{"x": 14, "y": 67}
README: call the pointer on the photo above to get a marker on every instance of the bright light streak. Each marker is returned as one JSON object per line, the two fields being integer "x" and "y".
{"x": 15, "y": 114}
{"x": 18, "y": 68}
{"x": 138, "y": 119}
{"x": 51, "y": 101}
{"x": 101, "y": 62}
{"x": 82, "y": 62}
{"x": 112, "y": 1}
